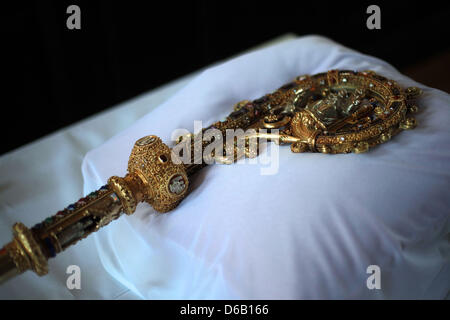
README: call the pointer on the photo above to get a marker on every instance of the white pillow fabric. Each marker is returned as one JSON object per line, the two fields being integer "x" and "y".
{"x": 308, "y": 231}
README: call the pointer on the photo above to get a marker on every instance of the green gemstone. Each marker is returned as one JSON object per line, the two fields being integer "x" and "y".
{"x": 49, "y": 220}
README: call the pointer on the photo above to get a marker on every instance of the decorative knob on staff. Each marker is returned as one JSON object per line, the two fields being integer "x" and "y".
{"x": 332, "y": 112}
{"x": 152, "y": 177}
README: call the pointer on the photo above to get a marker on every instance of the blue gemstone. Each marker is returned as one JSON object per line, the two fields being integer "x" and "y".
{"x": 71, "y": 207}
{"x": 50, "y": 247}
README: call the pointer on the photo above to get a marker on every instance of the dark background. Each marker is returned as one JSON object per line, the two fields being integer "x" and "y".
{"x": 54, "y": 76}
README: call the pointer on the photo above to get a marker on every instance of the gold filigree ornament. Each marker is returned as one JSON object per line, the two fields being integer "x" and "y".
{"x": 342, "y": 112}
{"x": 162, "y": 183}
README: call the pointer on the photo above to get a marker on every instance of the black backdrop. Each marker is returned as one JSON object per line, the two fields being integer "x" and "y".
{"x": 54, "y": 76}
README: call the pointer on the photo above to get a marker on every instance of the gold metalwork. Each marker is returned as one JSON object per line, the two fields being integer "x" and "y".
{"x": 324, "y": 149}
{"x": 361, "y": 147}
{"x": 164, "y": 183}
{"x": 413, "y": 92}
{"x": 274, "y": 121}
{"x": 345, "y": 111}
{"x": 299, "y": 147}
{"x": 385, "y": 136}
{"x": 18, "y": 256}
{"x": 413, "y": 108}
{"x": 28, "y": 245}
{"x": 339, "y": 111}
{"x": 26, "y": 252}
{"x": 124, "y": 191}
{"x": 332, "y": 77}
{"x": 305, "y": 126}
{"x": 408, "y": 123}
{"x": 240, "y": 104}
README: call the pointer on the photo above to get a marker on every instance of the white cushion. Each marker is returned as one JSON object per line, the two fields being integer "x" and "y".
{"x": 308, "y": 231}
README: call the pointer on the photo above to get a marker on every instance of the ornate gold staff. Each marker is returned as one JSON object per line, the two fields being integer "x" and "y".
{"x": 333, "y": 112}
